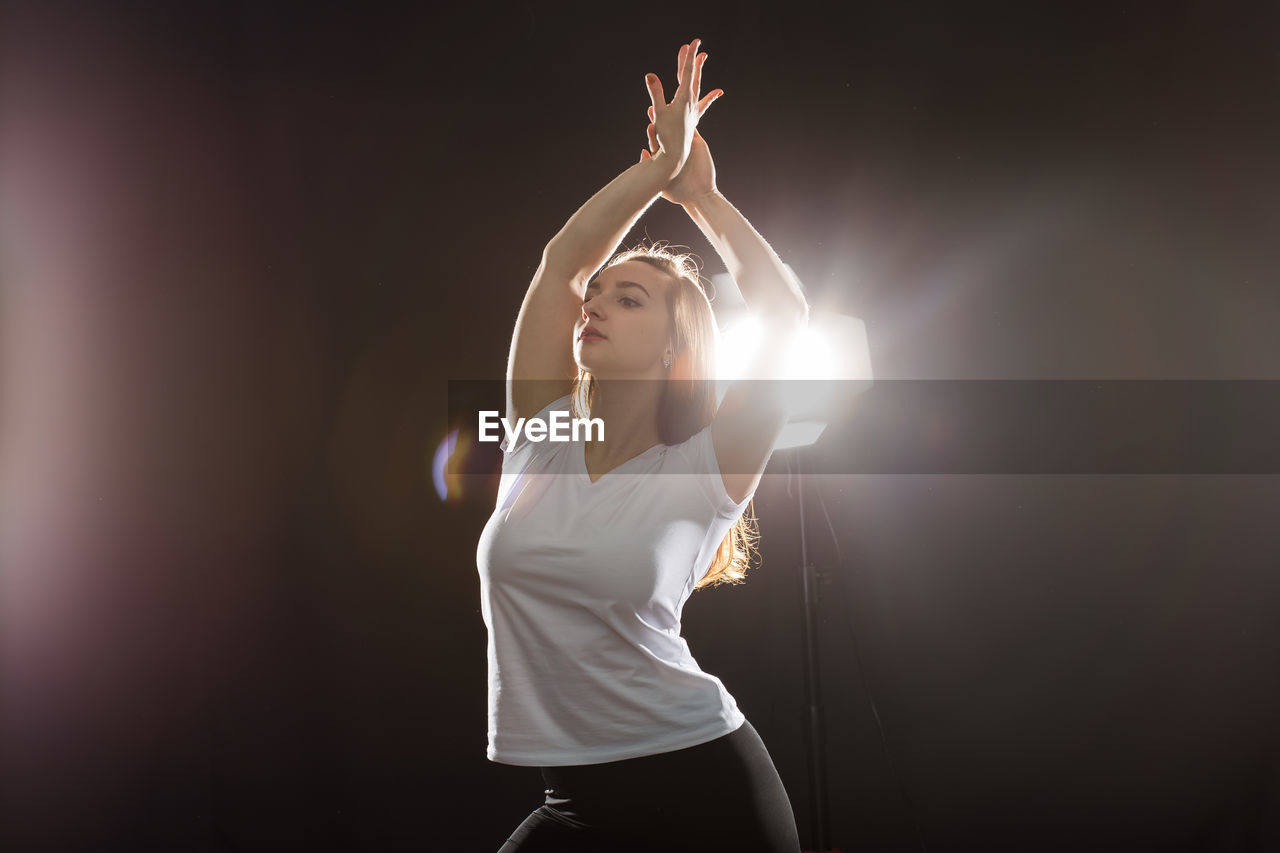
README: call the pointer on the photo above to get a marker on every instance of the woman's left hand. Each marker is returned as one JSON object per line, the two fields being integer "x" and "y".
{"x": 675, "y": 124}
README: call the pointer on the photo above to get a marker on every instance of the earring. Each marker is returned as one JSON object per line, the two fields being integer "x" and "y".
{"x": 666, "y": 362}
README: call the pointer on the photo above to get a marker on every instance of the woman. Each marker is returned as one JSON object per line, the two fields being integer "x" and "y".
{"x": 584, "y": 575}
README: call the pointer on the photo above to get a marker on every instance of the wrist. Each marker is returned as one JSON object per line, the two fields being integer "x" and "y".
{"x": 665, "y": 164}
{"x": 700, "y": 201}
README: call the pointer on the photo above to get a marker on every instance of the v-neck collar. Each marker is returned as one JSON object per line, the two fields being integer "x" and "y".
{"x": 580, "y": 457}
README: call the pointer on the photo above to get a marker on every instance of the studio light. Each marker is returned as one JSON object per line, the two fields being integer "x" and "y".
{"x": 830, "y": 362}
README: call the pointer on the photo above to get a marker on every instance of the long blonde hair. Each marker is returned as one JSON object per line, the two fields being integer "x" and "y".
{"x": 688, "y": 401}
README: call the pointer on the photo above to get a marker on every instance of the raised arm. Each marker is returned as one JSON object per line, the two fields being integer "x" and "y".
{"x": 753, "y": 411}
{"x": 541, "y": 345}
{"x": 590, "y": 236}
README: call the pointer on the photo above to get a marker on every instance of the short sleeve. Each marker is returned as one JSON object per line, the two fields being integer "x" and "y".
{"x": 707, "y": 468}
{"x": 560, "y": 404}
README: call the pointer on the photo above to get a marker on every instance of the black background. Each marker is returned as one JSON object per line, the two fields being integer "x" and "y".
{"x": 246, "y": 245}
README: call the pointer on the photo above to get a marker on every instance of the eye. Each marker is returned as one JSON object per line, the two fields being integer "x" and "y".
{"x": 625, "y": 299}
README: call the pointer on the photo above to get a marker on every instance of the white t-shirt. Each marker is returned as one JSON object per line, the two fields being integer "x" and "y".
{"x": 582, "y": 585}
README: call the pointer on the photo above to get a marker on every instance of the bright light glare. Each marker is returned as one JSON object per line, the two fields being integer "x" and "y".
{"x": 737, "y": 345}
{"x": 829, "y": 357}
{"x": 811, "y": 357}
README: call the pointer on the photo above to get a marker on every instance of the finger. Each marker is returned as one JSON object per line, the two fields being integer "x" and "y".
{"x": 655, "y": 90}
{"x": 697, "y": 76}
{"x": 708, "y": 100}
{"x": 644, "y": 155}
{"x": 689, "y": 58}
{"x": 681, "y": 62}
{"x": 650, "y": 113}
{"x": 653, "y": 137}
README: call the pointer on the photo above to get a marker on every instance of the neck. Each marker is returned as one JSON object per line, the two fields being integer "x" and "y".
{"x": 629, "y": 409}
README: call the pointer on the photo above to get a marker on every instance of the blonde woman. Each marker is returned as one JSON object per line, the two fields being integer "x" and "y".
{"x": 590, "y": 554}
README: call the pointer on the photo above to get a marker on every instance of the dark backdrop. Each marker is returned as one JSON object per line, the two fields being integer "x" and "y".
{"x": 245, "y": 245}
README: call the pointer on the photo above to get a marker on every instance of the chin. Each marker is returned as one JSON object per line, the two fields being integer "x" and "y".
{"x": 596, "y": 369}
{"x": 590, "y": 361}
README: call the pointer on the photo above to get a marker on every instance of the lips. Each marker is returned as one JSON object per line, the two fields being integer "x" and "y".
{"x": 590, "y": 334}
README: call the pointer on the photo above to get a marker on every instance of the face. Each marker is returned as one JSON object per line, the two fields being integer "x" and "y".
{"x": 627, "y": 304}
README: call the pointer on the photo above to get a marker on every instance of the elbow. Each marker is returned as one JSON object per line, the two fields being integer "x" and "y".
{"x": 552, "y": 255}
{"x": 556, "y": 252}
{"x": 561, "y": 263}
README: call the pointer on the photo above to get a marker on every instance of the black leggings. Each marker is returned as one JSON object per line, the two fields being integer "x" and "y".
{"x": 724, "y": 794}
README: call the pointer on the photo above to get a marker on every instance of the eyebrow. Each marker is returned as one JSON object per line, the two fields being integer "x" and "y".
{"x": 596, "y": 283}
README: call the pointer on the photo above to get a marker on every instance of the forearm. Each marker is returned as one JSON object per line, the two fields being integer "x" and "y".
{"x": 767, "y": 287}
{"x": 591, "y": 235}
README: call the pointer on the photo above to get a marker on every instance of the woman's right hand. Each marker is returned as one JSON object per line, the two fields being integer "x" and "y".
{"x": 676, "y": 123}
